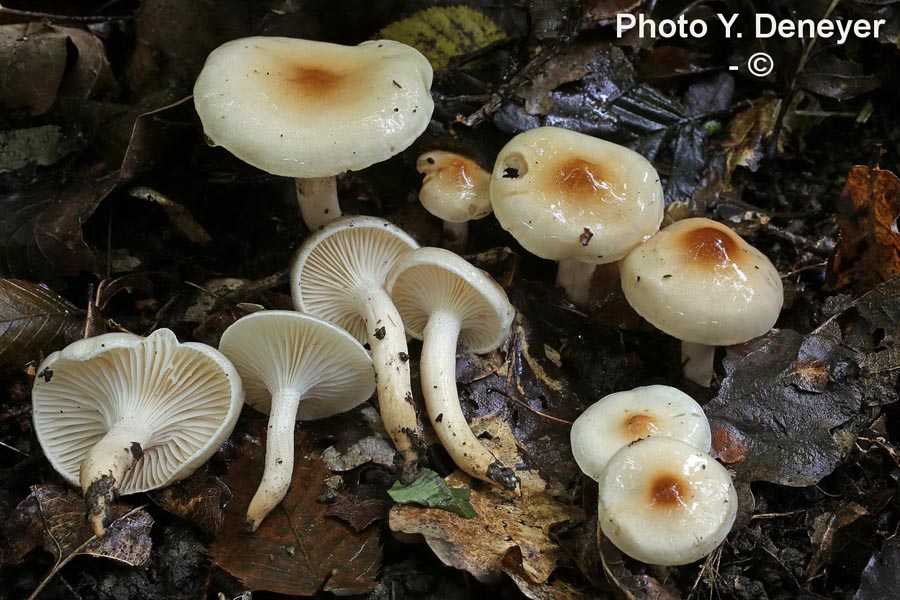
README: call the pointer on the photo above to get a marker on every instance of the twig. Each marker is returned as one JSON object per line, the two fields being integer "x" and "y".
{"x": 30, "y": 14}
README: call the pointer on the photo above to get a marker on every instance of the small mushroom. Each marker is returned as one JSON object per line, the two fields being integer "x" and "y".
{"x": 294, "y": 367}
{"x": 577, "y": 199}
{"x": 455, "y": 189}
{"x": 122, "y": 414}
{"x": 339, "y": 274}
{"x": 444, "y": 300}
{"x": 664, "y": 502}
{"x": 618, "y": 419}
{"x": 699, "y": 281}
{"x": 311, "y": 110}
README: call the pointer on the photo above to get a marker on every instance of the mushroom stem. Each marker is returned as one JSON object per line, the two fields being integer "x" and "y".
{"x": 103, "y": 469}
{"x": 318, "y": 201}
{"x": 697, "y": 361}
{"x": 390, "y": 357}
{"x": 279, "y": 465}
{"x": 438, "y": 371}
{"x": 456, "y": 236}
{"x": 574, "y": 276}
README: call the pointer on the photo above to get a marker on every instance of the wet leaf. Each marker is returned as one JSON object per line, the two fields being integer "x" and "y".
{"x": 200, "y": 499}
{"x": 298, "y": 550}
{"x": 431, "y": 491}
{"x": 34, "y": 319}
{"x": 829, "y": 76}
{"x": 180, "y": 217}
{"x": 33, "y": 146}
{"x": 630, "y": 585}
{"x": 443, "y": 32}
{"x": 360, "y": 514}
{"x": 881, "y": 578}
{"x": 747, "y": 135}
{"x": 869, "y": 249}
{"x": 27, "y": 49}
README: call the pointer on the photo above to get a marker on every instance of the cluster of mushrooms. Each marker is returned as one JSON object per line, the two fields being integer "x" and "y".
{"x": 119, "y": 414}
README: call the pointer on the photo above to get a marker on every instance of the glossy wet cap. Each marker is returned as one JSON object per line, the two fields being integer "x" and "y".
{"x": 276, "y": 350}
{"x": 188, "y": 395}
{"x": 566, "y": 195}
{"x": 455, "y": 188}
{"x": 431, "y": 279}
{"x": 700, "y": 282}
{"x": 663, "y": 502}
{"x": 618, "y": 419}
{"x": 307, "y": 109}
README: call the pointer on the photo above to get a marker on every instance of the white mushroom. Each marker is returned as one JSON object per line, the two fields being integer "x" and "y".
{"x": 455, "y": 189}
{"x": 444, "y": 300}
{"x": 577, "y": 199}
{"x": 339, "y": 274}
{"x": 294, "y": 367}
{"x": 618, "y": 419}
{"x": 699, "y": 281}
{"x": 312, "y": 110}
{"x": 121, "y": 414}
{"x": 663, "y": 502}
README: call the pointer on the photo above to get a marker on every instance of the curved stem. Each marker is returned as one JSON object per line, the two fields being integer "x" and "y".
{"x": 438, "y": 372}
{"x": 318, "y": 201}
{"x": 574, "y": 276}
{"x": 279, "y": 465}
{"x": 390, "y": 356}
{"x": 456, "y": 236}
{"x": 697, "y": 361}
{"x": 104, "y": 468}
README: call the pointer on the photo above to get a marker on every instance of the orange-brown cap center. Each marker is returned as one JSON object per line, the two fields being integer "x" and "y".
{"x": 577, "y": 178}
{"x": 314, "y": 82}
{"x": 461, "y": 172}
{"x": 640, "y": 426}
{"x": 668, "y": 491}
{"x": 710, "y": 246}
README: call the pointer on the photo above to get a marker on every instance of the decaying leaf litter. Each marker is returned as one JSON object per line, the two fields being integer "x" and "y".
{"x": 108, "y": 188}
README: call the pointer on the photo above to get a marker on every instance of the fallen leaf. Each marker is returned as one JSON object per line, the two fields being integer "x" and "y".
{"x": 431, "y": 491}
{"x": 832, "y": 77}
{"x": 180, "y": 217}
{"x": 748, "y": 133}
{"x": 42, "y": 145}
{"x": 200, "y": 499}
{"x": 869, "y": 248}
{"x": 27, "y": 49}
{"x": 881, "y": 578}
{"x": 298, "y": 550}
{"x": 556, "y": 588}
{"x": 360, "y": 514}
{"x": 631, "y": 586}
{"x": 34, "y": 319}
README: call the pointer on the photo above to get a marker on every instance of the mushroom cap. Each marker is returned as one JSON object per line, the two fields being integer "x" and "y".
{"x": 700, "y": 282}
{"x": 188, "y": 395}
{"x": 563, "y": 194}
{"x": 455, "y": 188}
{"x": 282, "y": 350}
{"x": 664, "y": 502}
{"x": 431, "y": 279}
{"x": 618, "y": 419}
{"x": 336, "y": 266}
{"x": 307, "y": 109}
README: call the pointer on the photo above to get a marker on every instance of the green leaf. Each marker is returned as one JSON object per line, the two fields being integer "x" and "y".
{"x": 442, "y": 32}
{"x": 34, "y": 319}
{"x": 430, "y": 490}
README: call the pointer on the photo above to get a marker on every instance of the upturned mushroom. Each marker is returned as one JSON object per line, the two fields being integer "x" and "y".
{"x": 312, "y": 110}
{"x": 577, "y": 199}
{"x": 664, "y": 502}
{"x": 699, "y": 281}
{"x": 339, "y": 274}
{"x": 121, "y": 414}
{"x": 445, "y": 301}
{"x": 455, "y": 189}
{"x": 618, "y": 419}
{"x": 294, "y": 367}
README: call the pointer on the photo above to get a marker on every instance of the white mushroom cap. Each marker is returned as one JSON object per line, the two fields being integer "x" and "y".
{"x": 276, "y": 350}
{"x": 455, "y": 188}
{"x": 618, "y": 419}
{"x": 700, "y": 282}
{"x": 566, "y": 195}
{"x": 300, "y": 108}
{"x": 663, "y": 502}
{"x": 431, "y": 279}
{"x": 185, "y": 398}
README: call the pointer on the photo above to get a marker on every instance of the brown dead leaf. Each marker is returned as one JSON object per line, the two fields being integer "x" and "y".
{"x": 631, "y": 586}
{"x": 869, "y": 249}
{"x": 297, "y": 550}
{"x": 748, "y": 132}
{"x": 503, "y": 525}
{"x": 200, "y": 499}
{"x": 25, "y": 50}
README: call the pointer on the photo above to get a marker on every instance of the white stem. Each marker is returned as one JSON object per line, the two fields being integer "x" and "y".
{"x": 104, "y": 468}
{"x": 574, "y": 276}
{"x": 438, "y": 371}
{"x": 318, "y": 201}
{"x": 456, "y": 236}
{"x": 390, "y": 355}
{"x": 697, "y": 361}
{"x": 279, "y": 465}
